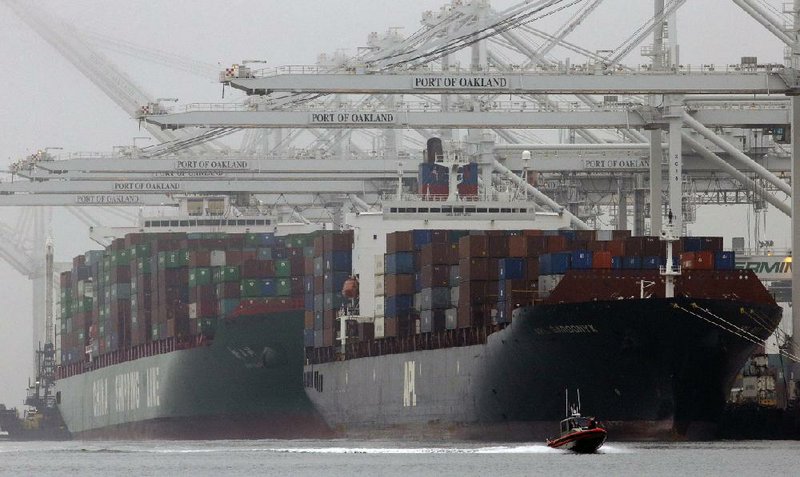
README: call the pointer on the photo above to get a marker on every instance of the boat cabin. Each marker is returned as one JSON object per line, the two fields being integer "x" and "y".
{"x": 577, "y": 422}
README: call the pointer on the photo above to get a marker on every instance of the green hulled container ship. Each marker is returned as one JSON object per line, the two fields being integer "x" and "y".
{"x": 187, "y": 335}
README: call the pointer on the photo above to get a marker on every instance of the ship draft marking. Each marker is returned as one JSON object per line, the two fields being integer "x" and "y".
{"x": 409, "y": 378}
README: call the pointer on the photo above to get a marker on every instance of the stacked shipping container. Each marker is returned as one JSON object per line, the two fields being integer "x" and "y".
{"x": 150, "y": 287}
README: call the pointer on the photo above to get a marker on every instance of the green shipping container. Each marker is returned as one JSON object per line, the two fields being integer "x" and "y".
{"x": 226, "y": 274}
{"x": 283, "y": 268}
{"x": 283, "y": 287}
{"x": 251, "y": 288}
{"x": 143, "y": 265}
{"x": 199, "y": 276}
{"x": 173, "y": 259}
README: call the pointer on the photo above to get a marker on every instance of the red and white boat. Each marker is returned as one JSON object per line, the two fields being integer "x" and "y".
{"x": 580, "y": 434}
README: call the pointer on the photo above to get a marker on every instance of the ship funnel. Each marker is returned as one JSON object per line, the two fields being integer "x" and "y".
{"x": 434, "y": 149}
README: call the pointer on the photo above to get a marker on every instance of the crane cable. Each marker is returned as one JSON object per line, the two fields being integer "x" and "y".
{"x": 734, "y": 329}
{"x": 471, "y": 38}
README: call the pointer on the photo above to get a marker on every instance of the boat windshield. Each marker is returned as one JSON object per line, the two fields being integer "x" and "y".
{"x": 578, "y": 422}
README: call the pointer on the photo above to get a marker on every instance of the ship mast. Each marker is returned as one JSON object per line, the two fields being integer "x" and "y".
{"x": 669, "y": 271}
{"x": 48, "y": 273}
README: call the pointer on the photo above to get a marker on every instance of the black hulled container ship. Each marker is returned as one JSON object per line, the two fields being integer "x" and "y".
{"x": 471, "y": 317}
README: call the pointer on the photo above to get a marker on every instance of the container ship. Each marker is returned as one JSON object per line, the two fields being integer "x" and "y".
{"x": 468, "y": 318}
{"x": 188, "y": 335}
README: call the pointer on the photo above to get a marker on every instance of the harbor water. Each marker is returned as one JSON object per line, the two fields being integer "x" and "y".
{"x": 382, "y": 458}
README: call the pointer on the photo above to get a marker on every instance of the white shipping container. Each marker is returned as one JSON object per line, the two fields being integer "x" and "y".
{"x": 192, "y": 310}
{"x": 451, "y": 318}
{"x": 380, "y": 289}
{"x": 604, "y": 235}
{"x": 379, "y": 265}
{"x": 454, "y": 294}
{"x": 218, "y": 258}
{"x": 548, "y": 282}
{"x": 379, "y": 330}
{"x": 379, "y": 306}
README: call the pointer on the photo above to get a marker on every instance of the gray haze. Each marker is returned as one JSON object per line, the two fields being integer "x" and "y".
{"x": 46, "y": 102}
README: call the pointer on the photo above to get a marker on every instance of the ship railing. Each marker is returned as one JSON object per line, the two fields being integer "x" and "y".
{"x": 403, "y": 344}
{"x": 144, "y": 350}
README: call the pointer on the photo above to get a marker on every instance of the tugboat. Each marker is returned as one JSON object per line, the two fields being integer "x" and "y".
{"x": 580, "y": 434}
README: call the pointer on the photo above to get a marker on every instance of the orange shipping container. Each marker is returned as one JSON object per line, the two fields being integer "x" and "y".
{"x": 601, "y": 260}
{"x": 697, "y": 260}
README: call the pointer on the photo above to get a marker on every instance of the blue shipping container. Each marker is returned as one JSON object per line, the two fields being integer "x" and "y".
{"x": 268, "y": 287}
{"x": 433, "y": 174}
{"x": 397, "y": 305}
{"x": 632, "y": 262}
{"x": 502, "y": 316}
{"x": 692, "y": 244}
{"x": 399, "y": 263}
{"x": 570, "y": 234}
{"x": 554, "y": 263}
{"x": 342, "y": 260}
{"x": 308, "y": 301}
{"x": 468, "y": 174}
{"x": 421, "y": 237}
{"x": 308, "y": 338}
{"x": 724, "y": 260}
{"x": 651, "y": 263}
{"x": 308, "y": 284}
{"x": 512, "y": 268}
{"x": 617, "y": 263}
{"x": 582, "y": 260}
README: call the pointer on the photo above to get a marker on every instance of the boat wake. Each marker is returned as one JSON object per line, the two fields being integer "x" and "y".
{"x": 525, "y": 449}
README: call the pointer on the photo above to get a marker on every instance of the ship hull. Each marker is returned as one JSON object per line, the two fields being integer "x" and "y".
{"x": 245, "y": 384}
{"x": 647, "y": 369}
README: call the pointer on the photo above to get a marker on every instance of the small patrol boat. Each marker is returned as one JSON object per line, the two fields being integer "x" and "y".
{"x": 580, "y": 434}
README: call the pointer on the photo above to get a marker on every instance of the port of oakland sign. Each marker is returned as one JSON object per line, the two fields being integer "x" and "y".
{"x": 147, "y": 186}
{"x": 212, "y": 165}
{"x": 461, "y": 82}
{"x": 106, "y": 199}
{"x": 352, "y": 118}
{"x": 633, "y": 164}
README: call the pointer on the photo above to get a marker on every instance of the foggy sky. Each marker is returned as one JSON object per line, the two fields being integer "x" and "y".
{"x": 46, "y": 102}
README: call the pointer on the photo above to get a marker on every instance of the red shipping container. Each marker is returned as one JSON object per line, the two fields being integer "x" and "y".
{"x": 473, "y": 246}
{"x": 474, "y": 269}
{"x": 471, "y": 316}
{"x": 366, "y": 331}
{"x": 595, "y": 246}
{"x": 258, "y": 269}
{"x": 66, "y": 280}
{"x": 199, "y": 258}
{"x": 438, "y": 254}
{"x": 297, "y": 286}
{"x": 399, "y": 284}
{"x": 477, "y": 292}
{"x": 298, "y": 263}
{"x": 401, "y": 241}
{"x": 601, "y": 260}
{"x": 617, "y": 248}
{"x": 338, "y": 240}
{"x": 78, "y": 261}
{"x": 308, "y": 322}
{"x": 498, "y": 246}
{"x": 468, "y": 190}
{"x": 697, "y": 260}
{"x": 435, "y": 276}
{"x": 532, "y": 267}
{"x": 556, "y": 243}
